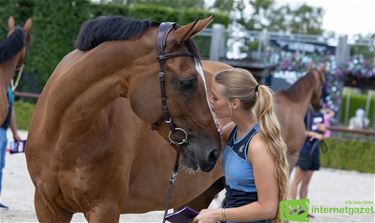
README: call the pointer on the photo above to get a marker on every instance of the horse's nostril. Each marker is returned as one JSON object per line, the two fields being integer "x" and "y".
{"x": 211, "y": 160}
{"x": 214, "y": 155}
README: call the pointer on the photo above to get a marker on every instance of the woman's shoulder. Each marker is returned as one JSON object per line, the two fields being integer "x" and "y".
{"x": 257, "y": 147}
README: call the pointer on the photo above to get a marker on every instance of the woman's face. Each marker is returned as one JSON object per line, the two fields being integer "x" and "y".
{"x": 218, "y": 102}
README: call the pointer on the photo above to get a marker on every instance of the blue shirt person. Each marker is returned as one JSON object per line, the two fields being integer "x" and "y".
{"x": 10, "y": 121}
{"x": 309, "y": 157}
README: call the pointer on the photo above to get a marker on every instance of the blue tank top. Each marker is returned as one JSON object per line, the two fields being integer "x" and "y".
{"x": 238, "y": 171}
{"x": 237, "y": 168}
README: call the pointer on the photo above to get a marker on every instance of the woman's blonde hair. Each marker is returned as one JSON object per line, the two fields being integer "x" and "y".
{"x": 240, "y": 84}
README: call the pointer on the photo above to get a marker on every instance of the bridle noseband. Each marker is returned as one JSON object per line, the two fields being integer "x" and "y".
{"x": 161, "y": 40}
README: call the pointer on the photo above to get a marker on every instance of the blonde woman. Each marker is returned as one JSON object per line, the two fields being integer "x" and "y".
{"x": 254, "y": 162}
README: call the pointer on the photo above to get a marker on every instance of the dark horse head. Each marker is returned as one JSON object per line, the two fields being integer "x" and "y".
{"x": 12, "y": 57}
{"x": 318, "y": 90}
{"x": 14, "y": 46}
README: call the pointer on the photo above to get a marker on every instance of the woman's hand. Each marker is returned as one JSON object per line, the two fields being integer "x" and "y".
{"x": 208, "y": 216}
{"x": 314, "y": 135}
{"x": 16, "y": 137}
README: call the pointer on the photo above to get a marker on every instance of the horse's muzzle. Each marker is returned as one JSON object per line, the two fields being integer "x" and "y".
{"x": 211, "y": 160}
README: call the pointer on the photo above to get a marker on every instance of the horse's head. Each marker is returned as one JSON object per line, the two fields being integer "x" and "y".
{"x": 169, "y": 91}
{"x": 318, "y": 90}
{"x": 26, "y": 37}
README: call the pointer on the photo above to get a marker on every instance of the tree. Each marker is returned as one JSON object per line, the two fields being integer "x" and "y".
{"x": 307, "y": 19}
{"x": 166, "y": 3}
{"x": 225, "y": 6}
{"x": 265, "y": 15}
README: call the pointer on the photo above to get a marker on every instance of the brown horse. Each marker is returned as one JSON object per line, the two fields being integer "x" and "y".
{"x": 291, "y": 106}
{"x": 12, "y": 56}
{"x": 90, "y": 148}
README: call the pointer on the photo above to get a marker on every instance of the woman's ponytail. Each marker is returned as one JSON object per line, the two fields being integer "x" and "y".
{"x": 270, "y": 130}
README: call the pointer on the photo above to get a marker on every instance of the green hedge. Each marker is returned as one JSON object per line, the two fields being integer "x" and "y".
{"x": 356, "y": 101}
{"x": 349, "y": 155}
{"x": 24, "y": 112}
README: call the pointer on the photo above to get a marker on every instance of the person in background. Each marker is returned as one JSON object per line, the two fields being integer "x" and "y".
{"x": 328, "y": 115}
{"x": 254, "y": 161}
{"x": 359, "y": 121}
{"x": 10, "y": 120}
{"x": 309, "y": 160}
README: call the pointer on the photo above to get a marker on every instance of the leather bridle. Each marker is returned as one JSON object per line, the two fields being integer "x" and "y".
{"x": 164, "y": 29}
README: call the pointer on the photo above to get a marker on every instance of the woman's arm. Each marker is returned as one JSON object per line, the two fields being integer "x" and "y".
{"x": 13, "y": 126}
{"x": 315, "y": 135}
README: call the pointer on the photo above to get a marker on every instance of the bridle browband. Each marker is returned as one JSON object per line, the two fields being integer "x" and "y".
{"x": 164, "y": 29}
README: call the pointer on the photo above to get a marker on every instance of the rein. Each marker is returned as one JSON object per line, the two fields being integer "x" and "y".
{"x": 164, "y": 29}
{"x": 13, "y": 84}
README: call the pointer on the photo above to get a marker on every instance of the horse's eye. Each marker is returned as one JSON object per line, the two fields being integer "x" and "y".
{"x": 187, "y": 84}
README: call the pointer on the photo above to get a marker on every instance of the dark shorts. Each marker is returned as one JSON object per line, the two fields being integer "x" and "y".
{"x": 309, "y": 162}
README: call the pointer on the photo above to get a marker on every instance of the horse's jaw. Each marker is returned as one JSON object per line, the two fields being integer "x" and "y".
{"x": 187, "y": 169}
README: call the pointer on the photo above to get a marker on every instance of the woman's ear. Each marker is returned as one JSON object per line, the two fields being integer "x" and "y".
{"x": 235, "y": 104}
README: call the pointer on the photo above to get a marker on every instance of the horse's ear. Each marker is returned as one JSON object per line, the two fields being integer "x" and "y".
{"x": 322, "y": 69}
{"x": 11, "y": 23}
{"x": 310, "y": 67}
{"x": 185, "y": 32}
{"x": 28, "y": 25}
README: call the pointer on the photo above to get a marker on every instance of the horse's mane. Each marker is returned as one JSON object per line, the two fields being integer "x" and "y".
{"x": 108, "y": 28}
{"x": 12, "y": 45}
{"x": 300, "y": 86}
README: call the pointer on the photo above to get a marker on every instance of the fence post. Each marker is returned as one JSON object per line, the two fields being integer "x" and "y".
{"x": 347, "y": 108}
{"x": 342, "y": 51}
{"x": 342, "y": 56}
{"x": 217, "y": 48}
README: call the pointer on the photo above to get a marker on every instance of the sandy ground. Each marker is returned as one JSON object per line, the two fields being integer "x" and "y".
{"x": 329, "y": 188}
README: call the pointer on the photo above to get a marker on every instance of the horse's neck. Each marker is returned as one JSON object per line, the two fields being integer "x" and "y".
{"x": 3, "y": 105}
{"x": 7, "y": 70}
{"x": 82, "y": 89}
{"x": 302, "y": 91}
{"x": 6, "y": 74}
